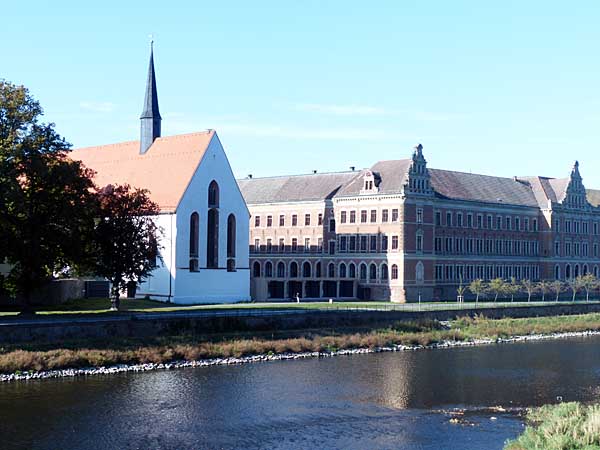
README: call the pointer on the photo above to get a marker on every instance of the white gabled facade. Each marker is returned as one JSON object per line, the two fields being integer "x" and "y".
{"x": 174, "y": 280}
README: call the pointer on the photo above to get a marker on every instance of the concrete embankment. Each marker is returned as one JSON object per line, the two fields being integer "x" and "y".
{"x": 49, "y": 330}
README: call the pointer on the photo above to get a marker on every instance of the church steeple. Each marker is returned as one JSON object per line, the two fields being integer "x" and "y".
{"x": 150, "y": 118}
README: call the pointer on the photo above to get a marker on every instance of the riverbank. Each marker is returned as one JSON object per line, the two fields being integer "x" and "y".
{"x": 77, "y": 358}
{"x": 557, "y": 427}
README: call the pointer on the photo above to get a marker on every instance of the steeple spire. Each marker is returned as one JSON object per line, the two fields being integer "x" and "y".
{"x": 150, "y": 118}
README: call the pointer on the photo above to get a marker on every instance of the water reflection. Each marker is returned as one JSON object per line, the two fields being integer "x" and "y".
{"x": 372, "y": 401}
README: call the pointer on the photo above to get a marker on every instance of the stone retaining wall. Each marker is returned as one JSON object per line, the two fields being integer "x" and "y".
{"x": 140, "y": 325}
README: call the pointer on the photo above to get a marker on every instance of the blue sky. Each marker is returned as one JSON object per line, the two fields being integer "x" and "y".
{"x": 508, "y": 89}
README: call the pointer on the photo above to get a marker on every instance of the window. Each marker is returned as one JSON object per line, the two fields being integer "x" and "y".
{"x": 535, "y": 224}
{"x": 373, "y": 244}
{"x": 212, "y": 227}
{"x": 231, "y": 238}
{"x": 320, "y": 219}
{"x": 194, "y": 233}
{"x": 306, "y": 269}
{"x": 384, "y": 272}
{"x": 343, "y": 244}
{"x": 351, "y": 271}
{"x": 479, "y": 221}
{"x": 332, "y": 247}
{"x": 526, "y": 224}
{"x": 363, "y": 216}
{"x": 319, "y": 245}
{"x": 268, "y": 269}
{"x": 269, "y": 245}
{"x": 517, "y": 224}
{"x": 352, "y": 216}
{"x": 459, "y": 219}
{"x": 363, "y": 243}
{"x": 256, "y": 269}
{"x": 269, "y": 221}
{"x": 294, "y": 269}
{"x": 280, "y": 270}
{"x": 448, "y": 219}
{"x": 508, "y": 223}
{"x": 281, "y": 220}
{"x": 595, "y": 228}
{"x": 419, "y": 243}
{"x": 343, "y": 217}
{"x": 363, "y": 271}
{"x": 384, "y": 215}
{"x": 331, "y": 270}
{"x": 352, "y": 243}
{"x": 257, "y": 245}
{"x": 438, "y": 218}
{"x": 306, "y": 244}
{"x": 420, "y": 272}
{"x": 470, "y": 220}
{"x": 294, "y": 244}
{"x": 437, "y": 244}
{"x": 306, "y": 220}
{"x": 394, "y": 242}
{"x": 257, "y": 221}
{"x": 318, "y": 270}
{"x": 394, "y": 272}
{"x": 294, "y": 220}
{"x": 332, "y": 225}
{"x": 372, "y": 272}
{"x": 373, "y": 216}
{"x": 420, "y": 215}
{"x": 281, "y": 244}
{"x": 384, "y": 243}
{"x": 557, "y": 248}
{"x": 342, "y": 270}
{"x": 394, "y": 215}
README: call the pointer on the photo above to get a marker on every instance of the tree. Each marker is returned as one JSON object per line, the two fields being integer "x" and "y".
{"x": 497, "y": 286}
{"x": 460, "y": 290}
{"x": 588, "y": 282}
{"x": 477, "y": 287}
{"x": 511, "y": 288}
{"x": 126, "y": 237}
{"x": 529, "y": 287}
{"x": 557, "y": 287}
{"x": 47, "y": 199}
{"x": 575, "y": 284}
{"x": 543, "y": 287}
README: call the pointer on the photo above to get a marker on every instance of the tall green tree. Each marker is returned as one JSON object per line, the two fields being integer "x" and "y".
{"x": 47, "y": 200}
{"x": 126, "y": 238}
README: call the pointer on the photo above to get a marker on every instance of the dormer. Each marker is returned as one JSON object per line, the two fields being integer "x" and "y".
{"x": 418, "y": 180}
{"x": 370, "y": 183}
{"x": 575, "y": 194}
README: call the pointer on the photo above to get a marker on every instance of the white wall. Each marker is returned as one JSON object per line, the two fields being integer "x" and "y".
{"x": 212, "y": 285}
{"x": 161, "y": 284}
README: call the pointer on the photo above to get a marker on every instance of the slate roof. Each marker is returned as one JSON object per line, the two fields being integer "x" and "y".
{"x": 392, "y": 173}
{"x": 593, "y": 196}
{"x": 166, "y": 169}
{"x": 294, "y": 188}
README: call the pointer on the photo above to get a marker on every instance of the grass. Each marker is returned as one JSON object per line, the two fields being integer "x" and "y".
{"x": 102, "y": 306}
{"x": 566, "y": 426}
{"x": 79, "y": 353}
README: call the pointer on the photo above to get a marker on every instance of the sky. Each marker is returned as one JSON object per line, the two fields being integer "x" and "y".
{"x": 500, "y": 88}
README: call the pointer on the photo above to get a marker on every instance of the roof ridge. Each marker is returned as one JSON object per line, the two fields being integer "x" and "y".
{"x": 301, "y": 175}
{"x": 162, "y": 138}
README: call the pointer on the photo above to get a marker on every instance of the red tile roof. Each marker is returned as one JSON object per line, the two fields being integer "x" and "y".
{"x": 165, "y": 170}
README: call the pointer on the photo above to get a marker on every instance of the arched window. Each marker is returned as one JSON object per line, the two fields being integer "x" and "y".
{"x": 384, "y": 272}
{"x": 557, "y": 272}
{"x": 306, "y": 269}
{"x": 585, "y": 270}
{"x": 576, "y": 271}
{"x": 231, "y": 231}
{"x": 342, "y": 270}
{"x": 331, "y": 270}
{"x": 394, "y": 272}
{"x": 596, "y": 271}
{"x": 256, "y": 269}
{"x": 363, "y": 271}
{"x": 268, "y": 269}
{"x": 568, "y": 271}
{"x": 419, "y": 272}
{"x": 352, "y": 271}
{"x": 212, "y": 239}
{"x": 294, "y": 269}
{"x": 373, "y": 272}
{"x": 318, "y": 270}
{"x": 194, "y": 233}
{"x": 280, "y": 270}
{"x": 213, "y": 194}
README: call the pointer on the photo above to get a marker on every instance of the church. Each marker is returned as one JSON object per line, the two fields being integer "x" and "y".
{"x": 203, "y": 216}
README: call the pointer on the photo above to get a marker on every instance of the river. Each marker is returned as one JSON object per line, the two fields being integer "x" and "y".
{"x": 376, "y": 401}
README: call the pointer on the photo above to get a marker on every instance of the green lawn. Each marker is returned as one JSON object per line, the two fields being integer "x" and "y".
{"x": 102, "y": 306}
